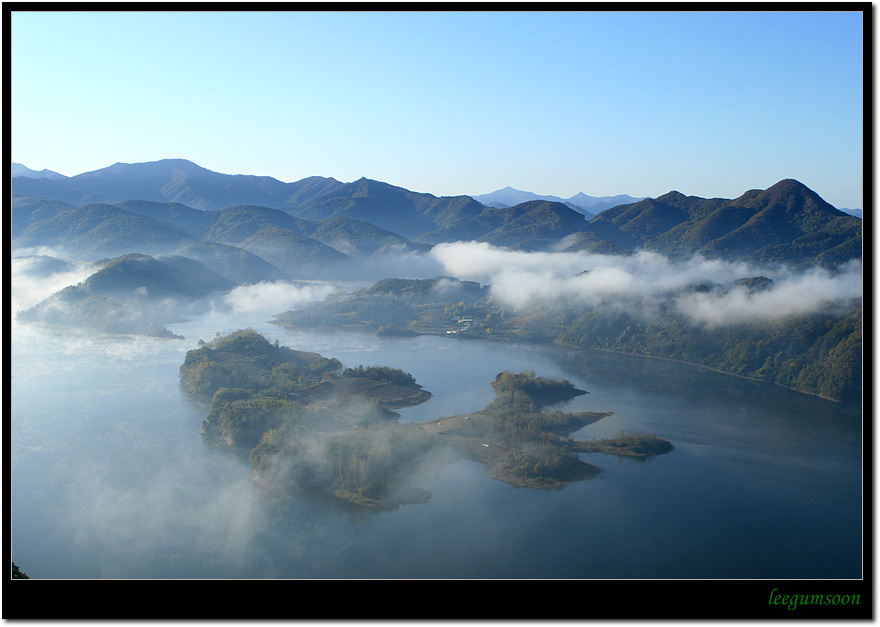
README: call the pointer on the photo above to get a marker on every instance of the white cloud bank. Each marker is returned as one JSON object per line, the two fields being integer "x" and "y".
{"x": 520, "y": 278}
{"x": 29, "y": 285}
{"x": 277, "y": 295}
{"x": 813, "y": 291}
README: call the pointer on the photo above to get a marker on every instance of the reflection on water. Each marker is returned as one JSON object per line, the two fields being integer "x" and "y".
{"x": 110, "y": 477}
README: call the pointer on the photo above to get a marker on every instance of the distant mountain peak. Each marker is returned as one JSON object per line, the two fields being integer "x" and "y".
{"x": 119, "y": 168}
{"x": 161, "y": 164}
{"x": 786, "y": 191}
{"x": 589, "y": 206}
{"x": 788, "y": 183}
{"x": 790, "y": 186}
{"x": 671, "y": 195}
{"x": 19, "y": 169}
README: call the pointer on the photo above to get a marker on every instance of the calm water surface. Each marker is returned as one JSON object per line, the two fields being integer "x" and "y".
{"x": 111, "y": 479}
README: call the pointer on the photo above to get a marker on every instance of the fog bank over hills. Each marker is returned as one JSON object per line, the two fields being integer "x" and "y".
{"x": 522, "y": 279}
{"x": 765, "y": 285}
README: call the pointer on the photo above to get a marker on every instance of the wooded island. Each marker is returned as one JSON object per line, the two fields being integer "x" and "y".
{"x": 309, "y": 424}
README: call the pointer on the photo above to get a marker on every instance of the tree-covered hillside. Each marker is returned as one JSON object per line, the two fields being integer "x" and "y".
{"x": 786, "y": 223}
{"x": 245, "y": 359}
{"x": 103, "y": 230}
{"x": 134, "y": 293}
{"x": 297, "y": 255}
{"x": 360, "y": 239}
{"x": 818, "y": 353}
{"x": 815, "y": 353}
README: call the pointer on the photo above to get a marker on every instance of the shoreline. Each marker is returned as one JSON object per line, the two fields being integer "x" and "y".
{"x": 364, "y": 328}
{"x": 703, "y": 367}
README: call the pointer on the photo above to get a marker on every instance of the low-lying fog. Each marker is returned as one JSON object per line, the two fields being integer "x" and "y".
{"x": 518, "y": 279}
{"x": 110, "y": 477}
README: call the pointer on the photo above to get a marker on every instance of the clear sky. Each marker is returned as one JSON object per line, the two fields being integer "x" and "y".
{"x": 707, "y": 103}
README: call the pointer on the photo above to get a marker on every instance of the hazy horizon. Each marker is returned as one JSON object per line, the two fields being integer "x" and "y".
{"x": 708, "y": 103}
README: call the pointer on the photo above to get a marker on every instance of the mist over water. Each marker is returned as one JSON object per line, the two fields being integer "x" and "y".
{"x": 111, "y": 478}
{"x": 519, "y": 278}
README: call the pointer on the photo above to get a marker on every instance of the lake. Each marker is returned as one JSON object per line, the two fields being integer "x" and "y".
{"x": 111, "y": 479}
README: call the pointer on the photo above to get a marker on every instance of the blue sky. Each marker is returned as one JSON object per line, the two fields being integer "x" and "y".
{"x": 707, "y": 103}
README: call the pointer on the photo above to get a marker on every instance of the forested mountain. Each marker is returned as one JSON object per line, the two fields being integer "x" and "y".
{"x": 25, "y": 210}
{"x": 98, "y": 230}
{"x": 234, "y": 224}
{"x": 361, "y": 239}
{"x": 537, "y": 224}
{"x": 236, "y": 264}
{"x": 401, "y": 211}
{"x": 133, "y": 293}
{"x": 165, "y": 277}
{"x": 786, "y": 223}
{"x": 820, "y": 353}
{"x": 297, "y": 254}
{"x": 532, "y": 225}
{"x": 193, "y": 221}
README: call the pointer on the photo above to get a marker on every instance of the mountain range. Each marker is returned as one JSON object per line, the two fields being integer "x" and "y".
{"x": 249, "y": 228}
{"x": 169, "y": 239}
{"x": 590, "y": 206}
{"x": 183, "y": 181}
